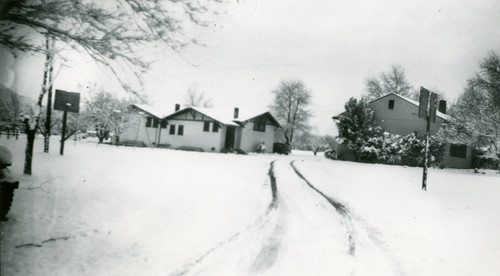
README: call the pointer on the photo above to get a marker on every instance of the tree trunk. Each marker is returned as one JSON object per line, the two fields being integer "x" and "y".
{"x": 287, "y": 139}
{"x": 48, "y": 122}
{"x": 47, "y": 86}
{"x": 498, "y": 155}
{"x": 294, "y": 118}
{"x": 30, "y": 133}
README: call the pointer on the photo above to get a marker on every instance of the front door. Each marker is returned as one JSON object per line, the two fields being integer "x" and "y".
{"x": 231, "y": 130}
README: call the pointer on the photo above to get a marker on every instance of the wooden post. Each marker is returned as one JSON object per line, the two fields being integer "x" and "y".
{"x": 63, "y": 133}
{"x": 426, "y": 154}
{"x": 427, "y": 111}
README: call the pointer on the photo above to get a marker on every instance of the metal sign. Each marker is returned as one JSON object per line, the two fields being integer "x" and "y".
{"x": 432, "y": 107}
{"x": 428, "y": 102}
{"x": 424, "y": 103}
{"x": 67, "y": 101}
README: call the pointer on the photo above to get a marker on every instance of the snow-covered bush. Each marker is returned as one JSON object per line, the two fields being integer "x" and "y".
{"x": 396, "y": 150}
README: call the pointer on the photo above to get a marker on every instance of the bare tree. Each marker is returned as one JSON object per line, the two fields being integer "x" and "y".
{"x": 195, "y": 98}
{"x": 393, "y": 81}
{"x": 110, "y": 32}
{"x": 113, "y": 33}
{"x": 291, "y": 101}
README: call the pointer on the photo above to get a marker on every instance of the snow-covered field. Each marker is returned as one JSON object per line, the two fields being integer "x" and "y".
{"x": 106, "y": 210}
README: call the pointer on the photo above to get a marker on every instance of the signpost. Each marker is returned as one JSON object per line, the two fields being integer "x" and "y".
{"x": 427, "y": 111}
{"x": 66, "y": 101}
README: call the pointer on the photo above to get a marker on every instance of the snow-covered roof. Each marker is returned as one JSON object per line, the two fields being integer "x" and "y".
{"x": 226, "y": 115}
{"x": 416, "y": 103}
{"x": 149, "y": 109}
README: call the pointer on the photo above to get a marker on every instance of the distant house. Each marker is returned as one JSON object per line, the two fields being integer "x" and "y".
{"x": 399, "y": 115}
{"x": 144, "y": 126}
{"x": 208, "y": 129}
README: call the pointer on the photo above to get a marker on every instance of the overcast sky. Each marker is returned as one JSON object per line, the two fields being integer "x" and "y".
{"x": 332, "y": 46}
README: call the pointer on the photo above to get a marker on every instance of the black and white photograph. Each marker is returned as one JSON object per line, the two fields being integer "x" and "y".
{"x": 249, "y": 137}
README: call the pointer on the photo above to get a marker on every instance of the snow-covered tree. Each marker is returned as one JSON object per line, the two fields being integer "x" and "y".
{"x": 113, "y": 33}
{"x": 357, "y": 125}
{"x": 476, "y": 114}
{"x": 106, "y": 114}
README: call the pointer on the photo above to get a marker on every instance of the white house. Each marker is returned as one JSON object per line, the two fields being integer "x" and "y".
{"x": 208, "y": 129}
{"x": 144, "y": 126}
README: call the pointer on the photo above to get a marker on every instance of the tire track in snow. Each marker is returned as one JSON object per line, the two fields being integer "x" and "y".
{"x": 348, "y": 221}
{"x": 339, "y": 207}
{"x": 268, "y": 253}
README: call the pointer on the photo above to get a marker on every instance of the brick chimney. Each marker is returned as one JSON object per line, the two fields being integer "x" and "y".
{"x": 177, "y": 107}
{"x": 442, "y": 106}
{"x": 236, "y": 112}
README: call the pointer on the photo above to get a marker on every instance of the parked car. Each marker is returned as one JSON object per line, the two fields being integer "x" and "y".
{"x": 331, "y": 154}
{"x": 7, "y": 182}
{"x": 281, "y": 148}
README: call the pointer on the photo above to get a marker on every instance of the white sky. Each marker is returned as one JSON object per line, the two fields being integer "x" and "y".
{"x": 332, "y": 46}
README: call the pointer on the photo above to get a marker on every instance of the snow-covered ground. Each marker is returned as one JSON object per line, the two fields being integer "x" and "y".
{"x": 106, "y": 210}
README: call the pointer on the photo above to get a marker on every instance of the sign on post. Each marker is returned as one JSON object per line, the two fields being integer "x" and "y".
{"x": 63, "y": 98}
{"x": 424, "y": 103}
{"x": 432, "y": 106}
{"x": 66, "y": 101}
{"x": 427, "y": 111}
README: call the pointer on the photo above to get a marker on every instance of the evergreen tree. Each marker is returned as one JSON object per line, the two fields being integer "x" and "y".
{"x": 357, "y": 125}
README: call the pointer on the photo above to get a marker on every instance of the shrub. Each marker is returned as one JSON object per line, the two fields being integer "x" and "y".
{"x": 396, "y": 150}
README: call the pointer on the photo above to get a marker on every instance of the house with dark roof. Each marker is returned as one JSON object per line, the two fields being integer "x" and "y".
{"x": 209, "y": 129}
{"x": 399, "y": 115}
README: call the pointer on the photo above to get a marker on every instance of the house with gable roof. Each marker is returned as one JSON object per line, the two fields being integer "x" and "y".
{"x": 399, "y": 115}
{"x": 209, "y": 129}
{"x": 144, "y": 126}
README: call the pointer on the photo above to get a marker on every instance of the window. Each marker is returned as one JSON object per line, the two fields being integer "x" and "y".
{"x": 163, "y": 123}
{"x": 155, "y": 122}
{"x": 459, "y": 151}
{"x": 391, "y": 104}
{"x": 206, "y": 126}
{"x": 149, "y": 121}
{"x": 172, "y": 130}
{"x": 180, "y": 130}
{"x": 215, "y": 127}
{"x": 259, "y": 124}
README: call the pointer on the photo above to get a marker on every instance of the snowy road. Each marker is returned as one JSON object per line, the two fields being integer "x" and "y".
{"x": 303, "y": 232}
{"x": 105, "y": 210}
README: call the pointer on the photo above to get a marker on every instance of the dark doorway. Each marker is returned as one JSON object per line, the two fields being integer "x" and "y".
{"x": 230, "y": 137}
